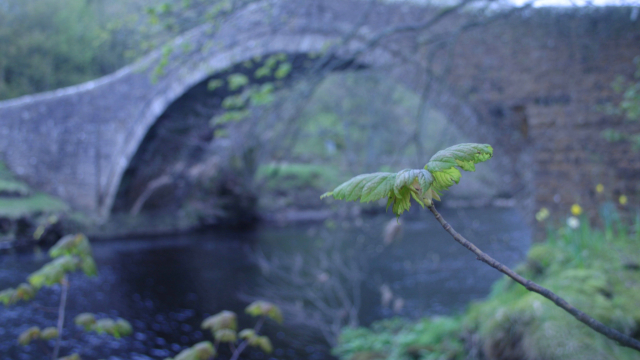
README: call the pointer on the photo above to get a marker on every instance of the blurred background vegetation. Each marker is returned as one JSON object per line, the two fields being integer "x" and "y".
{"x": 49, "y": 44}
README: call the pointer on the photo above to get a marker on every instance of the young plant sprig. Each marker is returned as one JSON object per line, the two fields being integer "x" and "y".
{"x": 424, "y": 185}
{"x": 224, "y": 328}
{"x": 70, "y": 254}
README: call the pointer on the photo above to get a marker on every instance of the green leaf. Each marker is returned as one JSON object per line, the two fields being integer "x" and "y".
{"x": 8, "y": 296}
{"x": 123, "y": 327}
{"x": 214, "y": 84}
{"x": 262, "y": 71}
{"x": 53, "y": 272}
{"x": 409, "y": 177}
{"x": 283, "y": 70}
{"x": 89, "y": 266}
{"x": 204, "y": 350}
{"x": 225, "y": 335}
{"x": 422, "y": 185}
{"x": 378, "y": 187}
{"x": 237, "y": 81}
{"x": 247, "y": 334}
{"x": 264, "y": 343}
{"x": 105, "y": 326}
{"x": 264, "y": 308}
{"x": 353, "y": 189}
{"x": 27, "y": 336}
{"x": 222, "y": 320}
{"x": 262, "y": 95}
{"x": 71, "y": 245}
{"x": 443, "y": 165}
{"x": 238, "y": 101}
{"x": 25, "y": 292}
{"x": 85, "y": 320}
{"x": 230, "y": 116}
{"x": 49, "y": 333}
{"x": 463, "y": 155}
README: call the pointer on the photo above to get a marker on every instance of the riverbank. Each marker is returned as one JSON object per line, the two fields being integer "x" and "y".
{"x": 281, "y": 195}
{"x": 27, "y": 215}
{"x": 597, "y": 270}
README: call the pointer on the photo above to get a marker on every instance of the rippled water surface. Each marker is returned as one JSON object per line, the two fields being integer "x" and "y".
{"x": 166, "y": 286}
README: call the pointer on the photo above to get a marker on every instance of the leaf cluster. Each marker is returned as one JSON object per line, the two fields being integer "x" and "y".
{"x": 34, "y": 333}
{"x": 224, "y": 326}
{"x": 274, "y": 67}
{"x": 71, "y": 253}
{"x": 201, "y": 351}
{"x": 116, "y": 328}
{"x": 422, "y": 185}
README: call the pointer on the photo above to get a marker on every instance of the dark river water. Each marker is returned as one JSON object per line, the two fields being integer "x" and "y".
{"x": 166, "y": 286}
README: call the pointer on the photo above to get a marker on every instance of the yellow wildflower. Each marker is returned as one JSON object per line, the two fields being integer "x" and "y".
{"x": 599, "y": 188}
{"x": 623, "y": 199}
{"x": 576, "y": 209}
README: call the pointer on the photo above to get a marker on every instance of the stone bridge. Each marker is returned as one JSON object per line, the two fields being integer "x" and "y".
{"x": 530, "y": 84}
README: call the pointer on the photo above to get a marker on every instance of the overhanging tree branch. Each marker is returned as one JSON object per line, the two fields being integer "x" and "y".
{"x": 594, "y": 324}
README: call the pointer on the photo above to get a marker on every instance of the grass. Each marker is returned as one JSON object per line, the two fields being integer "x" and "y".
{"x": 597, "y": 270}
{"x": 22, "y": 201}
{"x": 17, "y": 207}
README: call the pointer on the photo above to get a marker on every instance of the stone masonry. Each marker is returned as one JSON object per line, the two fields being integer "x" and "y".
{"x": 530, "y": 84}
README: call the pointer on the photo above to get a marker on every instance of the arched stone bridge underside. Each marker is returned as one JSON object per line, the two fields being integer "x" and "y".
{"x": 528, "y": 83}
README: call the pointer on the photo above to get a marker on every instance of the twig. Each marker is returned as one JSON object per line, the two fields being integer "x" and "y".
{"x": 244, "y": 344}
{"x": 594, "y": 324}
{"x": 63, "y": 304}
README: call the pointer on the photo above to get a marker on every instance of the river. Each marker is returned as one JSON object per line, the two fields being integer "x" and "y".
{"x": 165, "y": 286}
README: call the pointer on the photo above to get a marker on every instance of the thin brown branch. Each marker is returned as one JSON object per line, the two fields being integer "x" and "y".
{"x": 61, "y": 309}
{"x": 594, "y": 324}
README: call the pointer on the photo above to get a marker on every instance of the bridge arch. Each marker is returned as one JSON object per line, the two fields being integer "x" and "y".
{"x": 191, "y": 74}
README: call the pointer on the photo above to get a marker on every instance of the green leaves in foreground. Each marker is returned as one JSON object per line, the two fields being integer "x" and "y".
{"x": 116, "y": 328}
{"x": 423, "y": 185}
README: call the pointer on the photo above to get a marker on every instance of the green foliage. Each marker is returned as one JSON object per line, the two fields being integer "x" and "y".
{"x": 223, "y": 326}
{"x": 282, "y": 177}
{"x": 71, "y": 245}
{"x": 85, "y": 320}
{"x": 48, "y": 44}
{"x": 263, "y": 343}
{"x": 214, "y": 84}
{"x": 221, "y": 321}
{"x": 225, "y": 336}
{"x": 18, "y": 200}
{"x": 283, "y": 70}
{"x": 629, "y": 107}
{"x": 49, "y": 333}
{"x": 427, "y": 339}
{"x": 438, "y": 175}
{"x": 264, "y": 308}
{"x": 201, "y": 351}
{"x": 236, "y": 81}
{"x": 29, "y": 335}
{"x": 116, "y": 328}
{"x": 69, "y": 254}
{"x": 595, "y": 270}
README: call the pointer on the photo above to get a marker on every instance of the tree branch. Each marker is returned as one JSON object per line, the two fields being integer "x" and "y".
{"x": 63, "y": 305}
{"x": 594, "y": 324}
